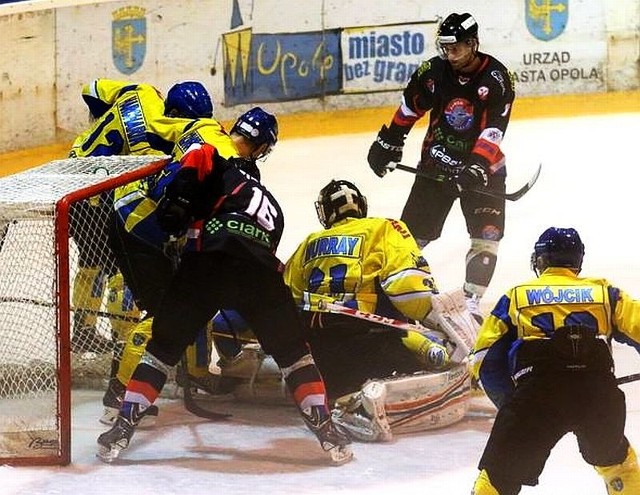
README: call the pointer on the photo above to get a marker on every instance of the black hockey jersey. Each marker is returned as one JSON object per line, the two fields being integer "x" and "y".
{"x": 233, "y": 211}
{"x": 469, "y": 113}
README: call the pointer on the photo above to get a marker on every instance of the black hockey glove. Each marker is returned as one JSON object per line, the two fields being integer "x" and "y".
{"x": 386, "y": 151}
{"x": 174, "y": 215}
{"x": 472, "y": 176}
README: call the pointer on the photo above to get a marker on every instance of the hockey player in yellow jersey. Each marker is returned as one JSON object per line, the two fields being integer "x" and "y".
{"x": 135, "y": 119}
{"x": 373, "y": 265}
{"x": 543, "y": 356}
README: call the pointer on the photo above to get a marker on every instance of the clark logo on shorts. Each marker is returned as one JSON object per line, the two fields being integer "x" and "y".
{"x": 129, "y": 38}
{"x": 546, "y": 19}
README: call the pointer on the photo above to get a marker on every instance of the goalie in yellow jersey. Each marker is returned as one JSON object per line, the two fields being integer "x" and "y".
{"x": 359, "y": 283}
{"x": 544, "y": 357}
{"x": 375, "y": 266}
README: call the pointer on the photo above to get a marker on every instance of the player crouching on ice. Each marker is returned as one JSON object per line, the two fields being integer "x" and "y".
{"x": 359, "y": 283}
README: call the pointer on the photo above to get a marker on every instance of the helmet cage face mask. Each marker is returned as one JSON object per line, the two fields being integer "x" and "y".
{"x": 454, "y": 29}
{"x": 189, "y": 99}
{"x": 340, "y": 199}
{"x": 260, "y": 128}
{"x": 558, "y": 247}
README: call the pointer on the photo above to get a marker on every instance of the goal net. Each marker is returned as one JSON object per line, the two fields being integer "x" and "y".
{"x": 63, "y": 306}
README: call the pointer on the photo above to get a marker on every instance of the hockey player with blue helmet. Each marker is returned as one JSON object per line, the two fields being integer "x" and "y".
{"x": 189, "y": 99}
{"x": 543, "y": 356}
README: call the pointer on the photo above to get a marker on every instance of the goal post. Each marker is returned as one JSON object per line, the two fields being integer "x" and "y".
{"x": 59, "y": 306}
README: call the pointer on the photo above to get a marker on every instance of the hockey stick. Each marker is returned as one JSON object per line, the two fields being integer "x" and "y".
{"x": 190, "y": 402}
{"x": 455, "y": 346}
{"x": 628, "y": 378}
{"x": 381, "y": 320}
{"x": 514, "y": 196}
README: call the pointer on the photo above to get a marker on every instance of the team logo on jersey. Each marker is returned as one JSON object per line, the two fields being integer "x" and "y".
{"x": 483, "y": 92}
{"x": 546, "y": 19}
{"x": 128, "y": 38}
{"x": 459, "y": 114}
{"x": 424, "y": 67}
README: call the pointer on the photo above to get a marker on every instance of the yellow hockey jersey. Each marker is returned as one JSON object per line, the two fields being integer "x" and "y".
{"x": 130, "y": 120}
{"x": 536, "y": 308}
{"x": 370, "y": 264}
{"x": 136, "y": 202}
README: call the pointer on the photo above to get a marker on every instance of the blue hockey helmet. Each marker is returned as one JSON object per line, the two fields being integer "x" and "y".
{"x": 258, "y": 127}
{"x": 455, "y": 28}
{"x": 340, "y": 199}
{"x": 188, "y": 99}
{"x": 557, "y": 247}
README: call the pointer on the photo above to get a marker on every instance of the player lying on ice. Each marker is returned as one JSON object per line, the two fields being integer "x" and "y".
{"x": 360, "y": 282}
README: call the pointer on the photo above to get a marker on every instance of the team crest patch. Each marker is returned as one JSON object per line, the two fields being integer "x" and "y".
{"x": 129, "y": 38}
{"x": 546, "y": 19}
{"x": 459, "y": 114}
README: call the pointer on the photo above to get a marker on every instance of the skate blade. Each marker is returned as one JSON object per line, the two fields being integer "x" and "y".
{"x": 340, "y": 455}
{"x": 108, "y": 454}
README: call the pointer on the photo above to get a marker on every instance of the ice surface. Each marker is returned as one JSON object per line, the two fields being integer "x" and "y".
{"x": 589, "y": 181}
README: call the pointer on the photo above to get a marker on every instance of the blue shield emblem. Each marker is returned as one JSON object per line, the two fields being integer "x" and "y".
{"x": 546, "y": 19}
{"x": 129, "y": 38}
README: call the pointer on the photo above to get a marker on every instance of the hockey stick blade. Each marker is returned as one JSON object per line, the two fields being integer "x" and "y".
{"x": 627, "y": 379}
{"x": 191, "y": 405}
{"x": 514, "y": 196}
{"x": 190, "y": 402}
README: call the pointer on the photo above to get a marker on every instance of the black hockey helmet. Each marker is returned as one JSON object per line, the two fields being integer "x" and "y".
{"x": 557, "y": 247}
{"x": 340, "y": 199}
{"x": 455, "y": 28}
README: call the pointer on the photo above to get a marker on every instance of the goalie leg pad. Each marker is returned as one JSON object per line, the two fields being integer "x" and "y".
{"x": 414, "y": 403}
{"x": 257, "y": 377}
{"x": 450, "y": 315}
{"x": 427, "y": 401}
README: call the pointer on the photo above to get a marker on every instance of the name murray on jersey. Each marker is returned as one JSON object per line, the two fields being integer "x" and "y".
{"x": 334, "y": 245}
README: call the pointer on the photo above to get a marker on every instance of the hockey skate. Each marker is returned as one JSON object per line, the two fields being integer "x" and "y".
{"x": 112, "y": 402}
{"x": 331, "y": 438}
{"x": 112, "y": 442}
{"x": 362, "y": 415}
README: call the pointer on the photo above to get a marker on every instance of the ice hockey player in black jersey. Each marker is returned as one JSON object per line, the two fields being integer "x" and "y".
{"x": 469, "y": 96}
{"x": 234, "y": 226}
